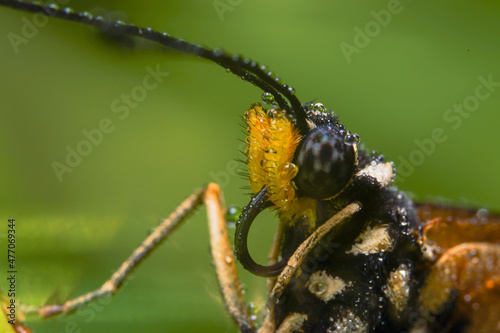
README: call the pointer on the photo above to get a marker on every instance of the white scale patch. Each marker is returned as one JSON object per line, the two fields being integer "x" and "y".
{"x": 397, "y": 288}
{"x": 382, "y": 172}
{"x": 350, "y": 323}
{"x": 372, "y": 240}
{"x": 326, "y": 287}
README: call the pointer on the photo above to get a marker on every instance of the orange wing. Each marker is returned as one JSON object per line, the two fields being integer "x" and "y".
{"x": 445, "y": 227}
{"x": 465, "y": 247}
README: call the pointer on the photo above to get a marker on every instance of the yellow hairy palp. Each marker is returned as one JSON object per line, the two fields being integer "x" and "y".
{"x": 272, "y": 140}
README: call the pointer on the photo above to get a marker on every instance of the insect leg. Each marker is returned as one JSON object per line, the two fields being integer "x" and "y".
{"x": 225, "y": 265}
{"x": 221, "y": 252}
{"x": 112, "y": 285}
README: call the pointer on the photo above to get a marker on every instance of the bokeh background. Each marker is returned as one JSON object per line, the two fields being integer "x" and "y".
{"x": 72, "y": 234}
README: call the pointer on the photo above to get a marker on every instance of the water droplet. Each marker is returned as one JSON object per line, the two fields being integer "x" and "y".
{"x": 53, "y": 6}
{"x": 232, "y": 214}
{"x": 228, "y": 259}
{"x": 267, "y": 98}
{"x": 482, "y": 214}
{"x": 68, "y": 10}
{"x": 86, "y": 15}
{"x": 351, "y": 139}
{"x": 120, "y": 22}
{"x": 217, "y": 52}
{"x": 272, "y": 113}
{"x": 291, "y": 90}
{"x": 318, "y": 107}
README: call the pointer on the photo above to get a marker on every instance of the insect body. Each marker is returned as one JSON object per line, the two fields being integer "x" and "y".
{"x": 352, "y": 253}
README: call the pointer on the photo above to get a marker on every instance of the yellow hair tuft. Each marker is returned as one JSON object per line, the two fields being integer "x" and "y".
{"x": 272, "y": 140}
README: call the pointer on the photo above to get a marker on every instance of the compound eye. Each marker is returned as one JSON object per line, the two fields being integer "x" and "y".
{"x": 326, "y": 162}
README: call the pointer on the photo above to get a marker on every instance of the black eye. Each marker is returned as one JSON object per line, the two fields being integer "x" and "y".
{"x": 326, "y": 161}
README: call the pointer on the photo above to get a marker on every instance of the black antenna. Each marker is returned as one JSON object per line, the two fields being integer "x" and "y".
{"x": 246, "y": 69}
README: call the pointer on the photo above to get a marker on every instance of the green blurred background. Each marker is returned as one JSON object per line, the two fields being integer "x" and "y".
{"x": 72, "y": 234}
